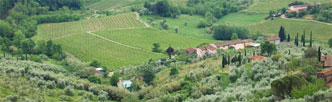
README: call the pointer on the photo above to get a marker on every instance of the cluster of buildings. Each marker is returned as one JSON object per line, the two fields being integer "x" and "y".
{"x": 327, "y": 74}
{"x": 299, "y": 8}
{"x": 211, "y": 49}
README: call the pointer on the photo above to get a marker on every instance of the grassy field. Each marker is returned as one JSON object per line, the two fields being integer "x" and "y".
{"x": 271, "y": 27}
{"x": 187, "y": 30}
{"x": 108, "y": 4}
{"x": 242, "y": 18}
{"x": 58, "y": 30}
{"x": 144, "y": 38}
{"x": 88, "y": 48}
{"x": 125, "y": 29}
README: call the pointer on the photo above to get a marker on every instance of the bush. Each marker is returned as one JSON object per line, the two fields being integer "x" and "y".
{"x": 174, "y": 71}
{"x": 310, "y": 52}
{"x": 130, "y": 98}
{"x": 330, "y": 43}
{"x": 102, "y": 96}
{"x": 95, "y": 64}
{"x": 203, "y": 24}
{"x": 94, "y": 79}
{"x": 69, "y": 90}
{"x": 114, "y": 79}
{"x": 309, "y": 89}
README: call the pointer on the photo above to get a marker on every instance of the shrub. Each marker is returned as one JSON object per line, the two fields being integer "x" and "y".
{"x": 130, "y": 98}
{"x": 94, "y": 79}
{"x": 102, "y": 96}
{"x": 309, "y": 89}
{"x": 310, "y": 52}
{"x": 330, "y": 42}
{"x": 148, "y": 76}
{"x": 69, "y": 90}
{"x": 174, "y": 71}
{"x": 114, "y": 79}
{"x": 95, "y": 64}
{"x": 202, "y": 24}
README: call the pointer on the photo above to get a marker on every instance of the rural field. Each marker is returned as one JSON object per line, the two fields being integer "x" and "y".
{"x": 145, "y": 37}
{"x": 271, "y": 27}
{"x": 120, "y": 40}
{"x": 88, "y": 48}
{"x": 187, "y": 25}
{"x": 109, "y": 4}
{"x": 58, "y": 30}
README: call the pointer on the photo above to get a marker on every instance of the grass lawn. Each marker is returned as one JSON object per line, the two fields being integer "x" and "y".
{"x": 145, "y": 37}
{"x": 242, "y": 18}
{"x": 320, "y": 31}
{"x": 88, "y": 48}
{"x": 187, "y": 30}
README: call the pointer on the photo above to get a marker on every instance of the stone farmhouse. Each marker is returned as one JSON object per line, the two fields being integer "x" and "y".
{"x": 273, "y": 39}
{"x": 212, "y": 48}
{"x": 327, "y": 61}
{"x": 326, "y": 75}
{"x": 298, "y": 8}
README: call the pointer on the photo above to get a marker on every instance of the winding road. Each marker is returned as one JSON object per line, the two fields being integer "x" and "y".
{"x": 284, "y": 17}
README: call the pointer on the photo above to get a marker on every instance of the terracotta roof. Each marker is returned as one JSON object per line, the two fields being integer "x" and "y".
{"x": 190, "y": 50}
{"x": 211, "y": 48}
{"x": 300, "y": 6}
{"x": 232, "y": 42}
{"x": 271, "y": 38}
{"x": 255, "y": 58}
{"x": 326, "y": 72}
{"x": 327, "y": 61}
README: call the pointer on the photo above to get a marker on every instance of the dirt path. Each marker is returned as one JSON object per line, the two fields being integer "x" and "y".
{"x": 284, "y": 17}
{"x": 118, "y": 43}
{"x": 137, "y": 17}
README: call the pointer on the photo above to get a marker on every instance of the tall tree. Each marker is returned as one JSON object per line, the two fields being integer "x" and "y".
{"x": 27, "y": 47}
{"x": 240, "y": 59}
{"x": 303, "y": 38}
{"x": 330, "y": 43}
{"x": 311, "y": 39}
{"x": 282, "y": 34}
{"x": 319, "y": 54}
{"x": 170, "y": 51}
{"x": 297, "y": 39}
{"x": 224, "y": 61}
{"x": 288, "y": 39}
{"x": 229, "y": 60}
{"x": 268, "y": 47}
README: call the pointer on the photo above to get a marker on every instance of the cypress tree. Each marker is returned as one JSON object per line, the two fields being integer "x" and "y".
{"x": 245, "y": 52}
{"x": 297, "y": 39}
{"x": 288, "y": 39}
{"x": 282, "y": 34}
{"x": 229, "y": 59}
{"x": 239, "y": 59}
{"x": 311, "y": 39}
{"x": 223, "y": 61}
{"x": 319, "y": 54}
{"x": 303, "y": 38}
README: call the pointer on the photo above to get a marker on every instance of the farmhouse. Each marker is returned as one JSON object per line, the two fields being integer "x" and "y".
{"x": 274, "y": 39}
{"x": 257, "y": 58}
{"x": 211, "y": 49}
{"x": 236, "y": 44}
{"x": 98, "y": 71}
{"x": 298, "y": 8}
{"x": 326, "y": 75}
{"x": 327, "y": 61}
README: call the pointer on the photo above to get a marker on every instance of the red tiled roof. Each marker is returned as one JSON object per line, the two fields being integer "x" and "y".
{"x": 232, "y": 42}
{"x": 190, "y": 50}
{"x": 327, "y": 61}
{"x": 326, "y": 72}
{"x": 254, "y": 58}
{"x": 271, "y": 38}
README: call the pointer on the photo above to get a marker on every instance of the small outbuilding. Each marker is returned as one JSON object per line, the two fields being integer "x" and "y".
{"x": 326, "y": 75}
{"x": 126, "y": 84}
